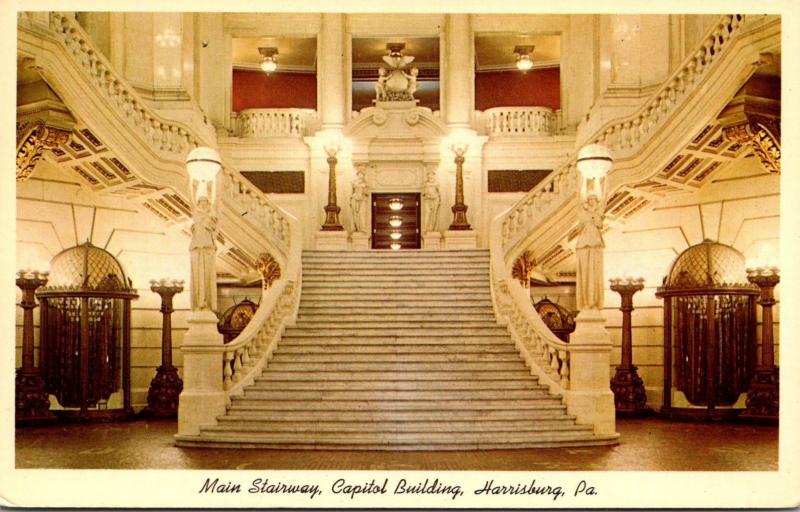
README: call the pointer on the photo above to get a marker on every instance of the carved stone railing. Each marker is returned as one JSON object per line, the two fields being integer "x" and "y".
{"x": 246, "y": 356}
{"x": 270, "y": 122}
{"x": 554, "y": 198}
{"x": 527, "y": 121}
{"x": 624, "y": 137}
{"x": 156, "y": 149}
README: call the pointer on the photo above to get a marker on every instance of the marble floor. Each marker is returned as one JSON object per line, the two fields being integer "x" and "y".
{"x": 646, "y": 444}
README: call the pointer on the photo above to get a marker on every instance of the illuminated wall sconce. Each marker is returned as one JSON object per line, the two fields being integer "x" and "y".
{"x": 524, "y": 60}
{"x": 269, "y": 62}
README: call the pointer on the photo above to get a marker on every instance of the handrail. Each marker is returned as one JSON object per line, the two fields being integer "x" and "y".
{"x": 545, "y": 353}
{"x": 270, "y": 122}
{"x": 171, "y": 140}
{"x": 529, "y": 121}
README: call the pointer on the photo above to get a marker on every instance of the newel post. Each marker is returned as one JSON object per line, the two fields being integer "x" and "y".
{"x": 589, "y": 396}
{"x": 203, "y": 396}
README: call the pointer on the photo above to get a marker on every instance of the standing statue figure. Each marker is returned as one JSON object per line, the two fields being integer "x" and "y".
{"x": 358, "y": 202}
{"x": 431, "y": 199}
{"x": 589, "y": 250}
{"x": 412, "y": 81}
{"x": 203, "y": 249}
{"x": 380, "y": 85}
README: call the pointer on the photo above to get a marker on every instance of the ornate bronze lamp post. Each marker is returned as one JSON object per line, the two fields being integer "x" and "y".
{"x": 459, "y": 208}
{"x": 332, "y": 209}
{"x": 763, "y": 396}
{"x": 629, "y": 394}
{"x": 166, "y": 386}
{"x": 32, "y": 402}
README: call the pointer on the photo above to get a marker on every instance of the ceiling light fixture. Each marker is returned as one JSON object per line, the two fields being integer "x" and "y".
{"x": 524, "y": 60}
{"x": 396, "y": 203}
{"x": 395, "y": 235}
{"x": 395, "y": 246}
{"x": 269, "y": 63}
{"x": 395, "y": 221}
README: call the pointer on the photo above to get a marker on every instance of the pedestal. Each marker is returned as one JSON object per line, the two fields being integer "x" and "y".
{"x": 467, "y": 239}
{"x": 359, "y": 241}
{"x": 589, "y": 397}
{"x": 331, "y": 240}
{"x": 763, "y": 395}
{"x": 203, "y": 398}
{"x": 630, "y": 398}
{"x": 32, "y": 399}
{"x": 432, "y": 241}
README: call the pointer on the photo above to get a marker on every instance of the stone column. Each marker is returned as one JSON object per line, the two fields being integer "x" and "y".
{"x": 331, "y": 79}
{"x": 459, "y": 71}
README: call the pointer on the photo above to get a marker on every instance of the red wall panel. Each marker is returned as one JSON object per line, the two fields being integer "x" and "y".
{"x": 256, "y": 89}
{"x": 536, "y": 88}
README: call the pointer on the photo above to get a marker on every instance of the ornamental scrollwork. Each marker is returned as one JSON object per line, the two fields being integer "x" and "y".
{"x": 763, "y": 135}
{"x": 523, "y": 268}
{"x": 33, "y": 138}
{"x": 269, "y": 269}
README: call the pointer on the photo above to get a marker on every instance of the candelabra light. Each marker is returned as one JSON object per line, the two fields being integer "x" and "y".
{"x": 166, "y": 386}
{"x": 459, "y": 209}
{"x": 332, "y": 148}
{"x": 763, "y": 398}
{"x": 32, "y": 400}
{"x": 630, "y": 398}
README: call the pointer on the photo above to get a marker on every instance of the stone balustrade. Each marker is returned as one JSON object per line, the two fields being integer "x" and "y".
{"x": 567, "y": 369}
{"x": 623, "y": 136}
{"x": 527, "y": 121}
{"x": 270, "y": 122}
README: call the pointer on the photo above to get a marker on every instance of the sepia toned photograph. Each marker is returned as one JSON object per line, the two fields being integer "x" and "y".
{"x": 370, "y": 258}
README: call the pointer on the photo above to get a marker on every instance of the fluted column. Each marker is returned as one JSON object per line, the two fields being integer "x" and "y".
{"x": 459, "y": 70}
{"x": 331, "y": 78}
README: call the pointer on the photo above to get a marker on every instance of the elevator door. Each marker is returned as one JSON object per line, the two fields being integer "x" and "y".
{"x": 395, "y": 221}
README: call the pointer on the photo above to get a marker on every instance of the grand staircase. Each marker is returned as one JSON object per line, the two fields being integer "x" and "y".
{"x": 396, "y": 351}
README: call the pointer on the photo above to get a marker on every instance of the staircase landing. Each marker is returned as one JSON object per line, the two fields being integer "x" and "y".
{"x": 396, "y": 351}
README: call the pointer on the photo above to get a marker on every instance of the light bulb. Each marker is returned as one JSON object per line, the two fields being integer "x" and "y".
{"x": 524, "y": 63}
{"x": 268, "y": 65}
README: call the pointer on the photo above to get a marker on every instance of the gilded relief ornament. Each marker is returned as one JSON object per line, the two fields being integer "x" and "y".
{"x": 763, "y": 135}
{"x": 269, "y": 269}
{"x": 523, "y": 268}
{"x": 33, "y": 138}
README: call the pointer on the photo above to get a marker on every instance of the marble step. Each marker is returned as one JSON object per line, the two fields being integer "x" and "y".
{"x": 344, "y": 406}
{"x": 398, "y": 368}
{"x": 422, "y": 428}
{"x": 382, "y": 339}
{"x": 366, "y": 350}
{"x": 544, "y": 413}
{"x": 384, "y": 277}
{"x": 418, "y": 357}
{"x": 378, "y": 376}
{"x": 393, "y": 296}
{"x": 377, "y": 255}
{"x": 397, "y": 385}
{"x": 395, "y": 272}
{"x": 389, "y": 291}
{"x": 345, "y": 284}
{"x": 396, "y": 309}
{"x": 441, "y": 331}
{"x": 438, "y": 321}
{"x": 391, "y": 395}
{"x": 396, "y": 316}
{"x": 391, "y": 302}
